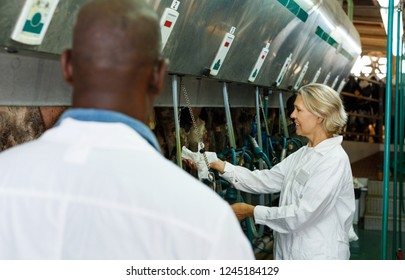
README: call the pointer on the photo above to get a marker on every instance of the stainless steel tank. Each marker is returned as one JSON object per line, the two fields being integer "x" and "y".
{"x": 313, "y": 32}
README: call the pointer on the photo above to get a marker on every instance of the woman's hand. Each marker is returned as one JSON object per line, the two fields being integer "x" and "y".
{"x": 191, "y": 164}
{"x": 218, "y": 165}
{"x": 243, "y": 210}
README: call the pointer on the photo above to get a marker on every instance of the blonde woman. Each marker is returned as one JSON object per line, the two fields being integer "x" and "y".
{"x": 317, "y": 203}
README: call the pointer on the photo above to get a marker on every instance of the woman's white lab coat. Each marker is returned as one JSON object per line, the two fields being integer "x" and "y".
{"x": 316, "y": 205}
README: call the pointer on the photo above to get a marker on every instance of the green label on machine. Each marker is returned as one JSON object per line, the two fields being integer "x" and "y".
{"x": 34, "y": 25}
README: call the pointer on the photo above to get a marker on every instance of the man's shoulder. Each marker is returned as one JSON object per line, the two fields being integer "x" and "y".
{"x": 24, "y": 148}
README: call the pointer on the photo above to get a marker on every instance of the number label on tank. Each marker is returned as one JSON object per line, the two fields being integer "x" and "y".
{"x": 284, "y": 70}
{"x": 259, "y": 63}
{"x": 168, "y": 20}
{"x": 222, "y": 52}
{"x": 335, "y": 82}
{"x": 317, "y": 74}
{"x": 341, "y": 86}
{"x": 325, "y": 82}
{"x": 301, "y": 77}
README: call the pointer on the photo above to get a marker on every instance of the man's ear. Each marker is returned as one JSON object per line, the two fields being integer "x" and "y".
{"x": 158, "y": 77}
{"x": 67, "y": 68}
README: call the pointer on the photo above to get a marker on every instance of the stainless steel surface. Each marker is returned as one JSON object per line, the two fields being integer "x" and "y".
{"x": 58, "y": 36}
{"x": 202, "y": 25}
{"x": 199, "y": 31}
{"x": 28, "y": 80}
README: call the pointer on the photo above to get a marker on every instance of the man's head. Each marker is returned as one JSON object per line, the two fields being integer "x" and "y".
{"x": 115, "y": 62}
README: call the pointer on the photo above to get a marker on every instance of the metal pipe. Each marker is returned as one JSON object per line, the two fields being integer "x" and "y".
{"x": 350, "y": 9}
{"x": 388, "y": 105}
{"x": 269, "y": 147}
{"x": 401, "y": 147}
{"x": 266, "y": 107}
{"x": 259, "y": 126}
{"x": 176, "y": 120}
{"x": 231, "y": 134}
{"x": 283, "y": 117}
{"x": 396, "y": 138}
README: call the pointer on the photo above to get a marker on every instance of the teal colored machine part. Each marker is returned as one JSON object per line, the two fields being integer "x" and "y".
{"x": 332, "y": 42}
{"x": 401, "y": 149}
{"x": 398, "y": 150}
{"x": 294, "y": 8}
{"x": 387, "y": 148}
{"x": 397, "y": 163}
{"x": 396, "y": 139}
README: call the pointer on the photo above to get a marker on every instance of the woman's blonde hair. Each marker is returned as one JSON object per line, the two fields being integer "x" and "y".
{"x": 324, "y": 102}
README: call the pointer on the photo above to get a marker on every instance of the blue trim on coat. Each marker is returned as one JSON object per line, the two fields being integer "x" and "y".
{"x": 96, "y": 115}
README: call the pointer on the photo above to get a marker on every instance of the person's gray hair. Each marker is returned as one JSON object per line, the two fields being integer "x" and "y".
{"x": 324, "y": 102}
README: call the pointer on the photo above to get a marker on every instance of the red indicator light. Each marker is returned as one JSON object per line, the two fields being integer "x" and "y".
{"x": 226, "y": 44}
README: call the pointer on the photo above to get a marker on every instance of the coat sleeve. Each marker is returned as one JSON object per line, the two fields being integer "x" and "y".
{"x": 257, "y": 181}
{"x": 319, "y": 195}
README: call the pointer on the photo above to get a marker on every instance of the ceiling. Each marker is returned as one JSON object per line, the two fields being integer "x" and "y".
{"x": 367, "y": 20}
